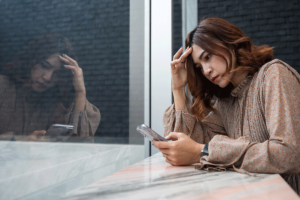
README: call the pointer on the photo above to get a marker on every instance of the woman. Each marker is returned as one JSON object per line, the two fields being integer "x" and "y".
{"x": 44, "y": 87}
{"x": 254, "y": 126}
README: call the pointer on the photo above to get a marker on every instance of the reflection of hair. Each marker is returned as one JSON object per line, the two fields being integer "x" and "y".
{"x": 39, "y": 50}
{"x": 215, "y": 35}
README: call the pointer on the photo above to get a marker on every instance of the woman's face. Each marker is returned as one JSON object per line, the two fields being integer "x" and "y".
{"x": 212, "y": 66}
{"x": 44, "y": 74}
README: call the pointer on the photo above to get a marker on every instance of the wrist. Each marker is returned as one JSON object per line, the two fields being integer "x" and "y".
{"x": 178, "y": 90}
{"x": 81, "y": 93}
{"x": 198, "y": 150}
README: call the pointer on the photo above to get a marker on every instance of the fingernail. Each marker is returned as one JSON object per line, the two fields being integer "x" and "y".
{"x": 64, "y": 54}
{"x": 180, "y": 59}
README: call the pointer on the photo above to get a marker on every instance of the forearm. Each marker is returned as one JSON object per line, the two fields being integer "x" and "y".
{"x": 275, "y": 157}
{"x": 179, "y": 98}
{"x": 80, "y": 101}
{"x": 266, "y": 157}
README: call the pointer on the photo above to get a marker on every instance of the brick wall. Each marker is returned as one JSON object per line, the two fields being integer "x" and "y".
{"x": 99, "y": 33}
{"x": 272, "y": 22}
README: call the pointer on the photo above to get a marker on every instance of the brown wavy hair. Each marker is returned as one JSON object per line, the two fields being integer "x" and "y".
{"x": 215, "y": 35}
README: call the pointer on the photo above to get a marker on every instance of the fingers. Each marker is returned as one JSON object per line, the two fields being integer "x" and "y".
{"x": 165, "y": 151}
{"x": 44, "y": 140}
{"x": 161, "y": 145}
{"x": 77, "y": 71}
{"x": 180, "y": 59}
{"x": 68, "y": 60}
{"x": 64, "y": 59}
{"x": 177, "y": 54}
{"x": 186, "y": 53}
{"x": 173, "y": 136}
{"x": 169, "y": 161}
{"x": 72, "y": 60}
{"x": 71, "y": 67}
{"x": 174, "y": 62}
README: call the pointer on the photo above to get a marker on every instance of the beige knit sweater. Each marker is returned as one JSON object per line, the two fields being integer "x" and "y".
{"x": 256, "y": 129}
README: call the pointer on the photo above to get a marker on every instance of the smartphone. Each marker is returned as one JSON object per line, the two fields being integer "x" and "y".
{"x": 149, "y": 133}
{"x": 59, "y": 131}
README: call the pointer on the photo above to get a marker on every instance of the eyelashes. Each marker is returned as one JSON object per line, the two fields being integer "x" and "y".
{"x": 45, "y": 66}
{"x": 207, "y": 57}
{"x": 197, "y": 66}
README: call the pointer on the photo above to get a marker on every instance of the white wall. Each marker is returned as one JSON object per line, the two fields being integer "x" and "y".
{"x": 136, "y": 70}
{"x": 161, "y": 55}
{"x": 147, "y": 73}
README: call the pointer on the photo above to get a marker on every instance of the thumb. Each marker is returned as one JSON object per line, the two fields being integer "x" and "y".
{"x": 41, "y": 132}
{"x": 173, "y": 136}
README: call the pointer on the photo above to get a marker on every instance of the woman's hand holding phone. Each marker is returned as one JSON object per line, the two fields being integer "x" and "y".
{"x": 181, "y": 151}
{"x": 179, "y": 77}
{"x": 35, "y": 136}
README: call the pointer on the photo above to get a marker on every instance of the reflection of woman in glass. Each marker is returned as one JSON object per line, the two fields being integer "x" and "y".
{"x": 254, "y": 124}
{"x": 44, "y": 87}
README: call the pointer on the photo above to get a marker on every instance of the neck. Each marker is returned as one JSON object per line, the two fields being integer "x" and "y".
{"x": 239, "y": 77}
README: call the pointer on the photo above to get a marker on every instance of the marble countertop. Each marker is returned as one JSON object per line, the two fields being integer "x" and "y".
{"x": 153, "y": 178}
{"x": 35, "y": 170}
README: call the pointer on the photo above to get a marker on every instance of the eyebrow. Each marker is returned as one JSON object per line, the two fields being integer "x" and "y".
{"x": 200, "y": 57}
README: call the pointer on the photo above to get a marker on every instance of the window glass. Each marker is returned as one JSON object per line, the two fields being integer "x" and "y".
{"x": 69, "y": 95}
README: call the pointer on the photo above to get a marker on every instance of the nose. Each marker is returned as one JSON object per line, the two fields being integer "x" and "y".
{"x": 207, "y": 70}
{"x": 48, "y": 75}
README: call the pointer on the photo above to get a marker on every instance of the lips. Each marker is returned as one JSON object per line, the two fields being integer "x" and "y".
{"x": 214, "y": 78}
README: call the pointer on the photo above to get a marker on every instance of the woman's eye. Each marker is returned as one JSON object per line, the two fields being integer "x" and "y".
{"x": 207, "y": 57}
{"x": 45, "y": 66}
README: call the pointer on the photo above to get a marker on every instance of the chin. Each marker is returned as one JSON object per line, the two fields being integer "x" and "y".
{"x": 36, "y": 89}
{"x": 223, "y": 83}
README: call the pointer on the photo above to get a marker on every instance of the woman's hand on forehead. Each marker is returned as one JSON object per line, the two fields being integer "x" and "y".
{"x": 78, "y": 80}
{"x": 184, "y": 55}
{"x": 178, "y": 71}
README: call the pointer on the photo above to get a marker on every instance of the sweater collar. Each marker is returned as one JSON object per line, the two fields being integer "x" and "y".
{"x": 237, "y": 91}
